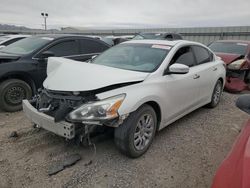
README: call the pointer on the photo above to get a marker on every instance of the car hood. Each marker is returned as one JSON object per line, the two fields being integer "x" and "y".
{"x": 5, "y": 58}
{"x": 229, "y": 58}
{"x": 69, "y": 75}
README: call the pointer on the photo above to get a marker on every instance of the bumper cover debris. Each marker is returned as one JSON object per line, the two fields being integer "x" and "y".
{"x": 62, "y": 128}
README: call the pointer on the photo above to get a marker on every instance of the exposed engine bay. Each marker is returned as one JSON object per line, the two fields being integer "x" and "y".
{"x": 238, "y": 80}
{"x": 58, "y": 104}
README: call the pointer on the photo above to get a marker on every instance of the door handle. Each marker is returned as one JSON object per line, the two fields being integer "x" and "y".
{"x": 215, "y": 69}
{"x": 196, "y": 76}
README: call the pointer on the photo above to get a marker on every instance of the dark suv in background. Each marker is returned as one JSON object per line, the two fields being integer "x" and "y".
{"x": 23, "y": 63}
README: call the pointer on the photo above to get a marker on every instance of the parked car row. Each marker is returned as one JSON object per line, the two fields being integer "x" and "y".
{"x": 23, "y": 64}
{"x": 137, "y": 87}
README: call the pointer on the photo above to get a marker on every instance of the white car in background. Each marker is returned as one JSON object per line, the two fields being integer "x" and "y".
{"x": 137, "y": 87}
{"x": 9, "y": 39}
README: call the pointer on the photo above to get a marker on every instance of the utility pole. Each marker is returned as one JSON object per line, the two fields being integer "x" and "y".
{"x": 45, "y": 16}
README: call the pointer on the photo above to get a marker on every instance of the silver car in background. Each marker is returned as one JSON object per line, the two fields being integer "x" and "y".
{"x": 9, "y": 39}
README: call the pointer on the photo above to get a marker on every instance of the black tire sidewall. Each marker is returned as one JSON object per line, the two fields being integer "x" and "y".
{"x": 128, "y": 129}
{"x": 5, "y": 86}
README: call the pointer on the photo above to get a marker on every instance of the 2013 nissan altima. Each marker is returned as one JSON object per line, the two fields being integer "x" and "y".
{"x": 137, "y": 87}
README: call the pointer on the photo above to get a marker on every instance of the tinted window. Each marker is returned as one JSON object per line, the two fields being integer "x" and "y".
{"x": 229, "y": 47}
{"x": 184, "y": 56}
{"x": 89, "y": 46}
{"x": 27, "y": 45}
{"x": 202, "y": 55}
{"x": 66, "y": 48}
{"x": 169, "y": 37}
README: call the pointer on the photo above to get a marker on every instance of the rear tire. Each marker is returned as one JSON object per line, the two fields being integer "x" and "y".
{"x": 12, "y": 92}
{"x": 136, "y": 134}
{"x": 216, "y": 95}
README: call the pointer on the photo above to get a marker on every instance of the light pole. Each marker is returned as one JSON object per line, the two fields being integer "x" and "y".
{"x": 45, "y": 16}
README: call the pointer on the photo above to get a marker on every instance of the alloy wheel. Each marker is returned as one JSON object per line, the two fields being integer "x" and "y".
{"x": 144, "y": 131}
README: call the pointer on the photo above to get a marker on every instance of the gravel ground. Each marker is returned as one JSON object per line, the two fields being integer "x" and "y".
{"x": 185, "y": 154}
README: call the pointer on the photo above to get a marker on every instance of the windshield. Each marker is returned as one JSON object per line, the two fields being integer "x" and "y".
{"x": 148, "y": 36}
{"x": 229, "y": 47}
{"x": 26, "y": 46}
{"x": 135, "y": 57}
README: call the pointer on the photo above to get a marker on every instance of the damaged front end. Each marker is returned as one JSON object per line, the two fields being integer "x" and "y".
{"x": 237, "y": 81}
{"x": 237, "y": 75}
{"x": 69, "y": 114}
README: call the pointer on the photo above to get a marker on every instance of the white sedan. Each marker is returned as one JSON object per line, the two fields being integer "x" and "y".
{"x": 137, "y": 87}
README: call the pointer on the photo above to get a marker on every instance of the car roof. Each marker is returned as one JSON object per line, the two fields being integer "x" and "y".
{"x": 236, "y": 41}
{"x": 163, "y": 42}
{"x": 57, "y": 36}
{"x": 14, "y": 36}
{"x": 160, "y": 32}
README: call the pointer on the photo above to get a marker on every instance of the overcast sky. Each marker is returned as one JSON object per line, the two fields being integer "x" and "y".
{"x": 126, "y": 13}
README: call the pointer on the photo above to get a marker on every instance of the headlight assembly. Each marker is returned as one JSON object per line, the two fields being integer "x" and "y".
{"x": 236, "y": 65}
{"x": 99, "y": 110}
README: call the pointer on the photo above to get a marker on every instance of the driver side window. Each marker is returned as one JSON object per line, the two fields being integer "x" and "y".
{"x": 184, "y": 56}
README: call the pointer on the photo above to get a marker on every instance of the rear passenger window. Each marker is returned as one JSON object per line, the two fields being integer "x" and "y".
{"x": 202, "y": 55}
{"x": 89, "y": 46}
{"x": 65, "y": 48}
{"x": 184, "y": 56}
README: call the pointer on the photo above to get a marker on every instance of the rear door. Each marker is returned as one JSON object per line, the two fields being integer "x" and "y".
{"x": 207, "y": 70}
{"x": 68, "y": 48}
{"x": 91, "y": 47}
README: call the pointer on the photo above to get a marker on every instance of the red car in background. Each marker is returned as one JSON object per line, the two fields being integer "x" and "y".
{"x": 236, "y": 55}
{"x": 234, "y": 172}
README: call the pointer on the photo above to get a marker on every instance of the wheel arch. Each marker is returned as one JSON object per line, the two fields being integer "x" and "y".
{"x": 157, "y": 110}
{"x": 21, "y": 76}
{"x": 222, "y": 80}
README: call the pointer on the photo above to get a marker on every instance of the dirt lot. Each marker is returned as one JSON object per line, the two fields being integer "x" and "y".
{"x": 185, "y": 154}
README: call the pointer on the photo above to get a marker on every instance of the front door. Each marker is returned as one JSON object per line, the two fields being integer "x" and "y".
{"x": 181, "y": 89}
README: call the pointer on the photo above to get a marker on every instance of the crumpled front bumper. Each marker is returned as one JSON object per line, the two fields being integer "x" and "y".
{"x": 62, "y": 128}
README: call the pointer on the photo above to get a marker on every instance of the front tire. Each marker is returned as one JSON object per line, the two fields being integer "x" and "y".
{"x": 136, "y": 134}
{"x": 216, "y": 95}
{"x": 12, "y": 92}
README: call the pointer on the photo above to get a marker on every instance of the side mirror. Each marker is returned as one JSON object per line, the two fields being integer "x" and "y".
{"x": 46, "y": 55}
{"x": 178, "y": 69}
{"x": 243, "y": 103}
